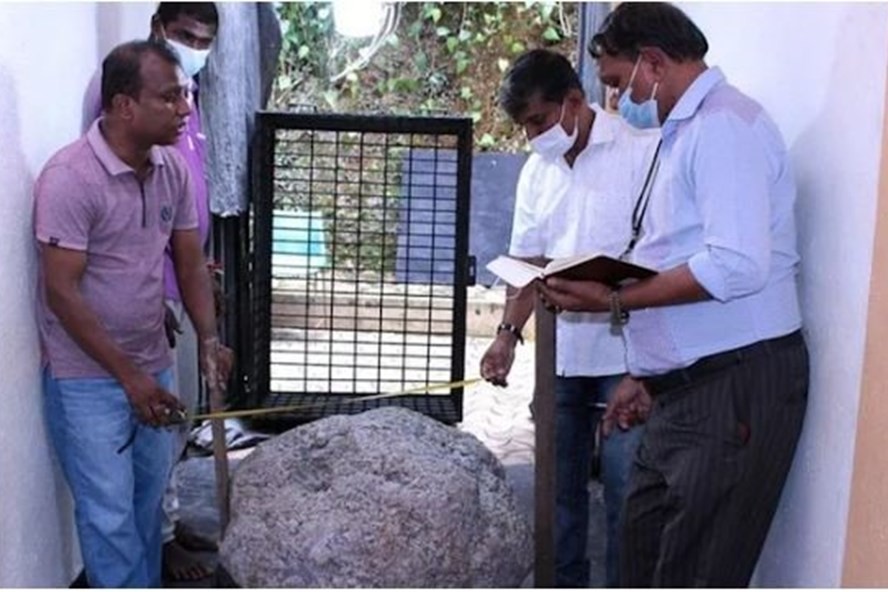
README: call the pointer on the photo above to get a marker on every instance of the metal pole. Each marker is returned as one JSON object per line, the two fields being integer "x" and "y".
{"x": 544, "y": 448}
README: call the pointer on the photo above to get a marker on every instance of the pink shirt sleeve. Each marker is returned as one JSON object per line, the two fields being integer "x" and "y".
{"x": 64, "y": 211}
{"x": 186, "y": 208}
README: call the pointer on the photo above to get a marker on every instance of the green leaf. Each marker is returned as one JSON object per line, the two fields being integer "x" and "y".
{"x": 465, "y": 34}
{"x": 476, "y": 116}
{"x": 303, "y": 52}
{"x": 461, "y": 66}
{"x": 546, "y": 10}
{"x": 442, "y": 31}
{"x": 486, "y": 141}
{"x": 550, "y": 34}
{"x": 451, "y": 43}
{"x": 465, "y": 93}
{"x": 435, "y": 14}
{"x": 502, "y": 64}
{"x": 332, "y": 98}
{"x": 517, "y": 47}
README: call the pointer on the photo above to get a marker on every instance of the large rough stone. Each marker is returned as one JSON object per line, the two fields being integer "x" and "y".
{"x": 386, "y": 498}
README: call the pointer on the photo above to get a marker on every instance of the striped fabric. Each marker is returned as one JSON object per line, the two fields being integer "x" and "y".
{"x": 710, "y": 469}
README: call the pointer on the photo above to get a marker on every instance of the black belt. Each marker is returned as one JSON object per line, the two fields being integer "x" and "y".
{"x": 716, "y": 362}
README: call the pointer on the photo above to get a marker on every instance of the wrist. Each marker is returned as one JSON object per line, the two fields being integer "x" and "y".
{"x": 130, "y": 378}
{"x": 619, "y": 316}
{"x": 509, "y": 332}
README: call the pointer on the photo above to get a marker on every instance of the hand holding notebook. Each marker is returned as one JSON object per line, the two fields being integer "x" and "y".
{"x": 590, "y": 267}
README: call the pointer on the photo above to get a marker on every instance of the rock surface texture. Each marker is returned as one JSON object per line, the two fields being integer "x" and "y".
{"x": 386, "y": 498}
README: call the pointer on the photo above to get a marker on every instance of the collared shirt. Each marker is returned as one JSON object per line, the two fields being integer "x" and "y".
{"x": 562, "y": 211}
{"x": 87, "y": 199}
{"x": 192, "y": 147}
{"x": 722, "y": 202}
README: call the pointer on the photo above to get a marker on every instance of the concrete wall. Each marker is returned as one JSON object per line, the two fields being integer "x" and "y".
{"x": 866, "y": 543}
{"x": 47, "y": 54}
{"x": 820, "y": 70}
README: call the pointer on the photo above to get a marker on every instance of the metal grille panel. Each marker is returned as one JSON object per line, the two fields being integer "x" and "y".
{"x": 361, "y": 226}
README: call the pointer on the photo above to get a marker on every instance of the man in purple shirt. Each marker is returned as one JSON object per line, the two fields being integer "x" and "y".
{"x": 106, "y": 209}
{"x": 189, "y": 28}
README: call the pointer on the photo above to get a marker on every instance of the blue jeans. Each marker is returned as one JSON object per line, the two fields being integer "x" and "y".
{"x": 577, "y": 416}
{"x": 117, "y": 470}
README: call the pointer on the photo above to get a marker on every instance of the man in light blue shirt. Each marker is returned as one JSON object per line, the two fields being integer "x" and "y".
{"x": 719, "y": 368}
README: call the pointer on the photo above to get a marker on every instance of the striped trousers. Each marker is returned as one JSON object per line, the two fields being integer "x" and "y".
{"x": 711, "y": 466}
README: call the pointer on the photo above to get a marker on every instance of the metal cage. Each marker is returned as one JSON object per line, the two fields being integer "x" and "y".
{"x": 359, "y": 263}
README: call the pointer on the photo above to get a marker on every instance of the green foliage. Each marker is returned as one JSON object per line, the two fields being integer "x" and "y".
{"x": 444, "y": 57}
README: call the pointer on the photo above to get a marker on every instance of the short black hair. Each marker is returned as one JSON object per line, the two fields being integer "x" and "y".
{"x": 122, "y": 69}
{"x": 633, "y": 25}
{"x": 202, "y": 12}
{"x": 538, "y": 72}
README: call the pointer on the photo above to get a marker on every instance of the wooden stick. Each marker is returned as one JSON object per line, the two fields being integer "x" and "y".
{"x": 220, "y": 455}
{"x": 544, "y": 449}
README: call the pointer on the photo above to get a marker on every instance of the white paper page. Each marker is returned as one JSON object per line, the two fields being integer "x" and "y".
{"x": 514, "y": 272}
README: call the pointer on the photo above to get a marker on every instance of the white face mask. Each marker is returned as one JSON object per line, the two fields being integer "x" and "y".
{"x": 555, "y": 142}
{"x": 192, "y": 60}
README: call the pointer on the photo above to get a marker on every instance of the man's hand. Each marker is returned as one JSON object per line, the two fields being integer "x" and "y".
{"x": 154, "y": 405}
{"x": 582, "y": 296}
{"x": 216, "y": 361}
{"x": 498, "y": 358}
{"x": 630, "y": 405}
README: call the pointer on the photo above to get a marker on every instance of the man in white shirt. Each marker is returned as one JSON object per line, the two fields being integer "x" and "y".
{"x": 575, "y": 196}
{"x": 715, "y": 336}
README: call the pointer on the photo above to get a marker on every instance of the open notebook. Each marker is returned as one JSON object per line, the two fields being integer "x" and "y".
{"x": 596, "y": 267}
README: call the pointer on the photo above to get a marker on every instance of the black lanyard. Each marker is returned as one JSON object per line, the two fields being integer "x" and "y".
{"x": 644, "y": 199}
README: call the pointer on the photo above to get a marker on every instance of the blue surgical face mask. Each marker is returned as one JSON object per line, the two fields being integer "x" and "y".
{"x": 642, "y": 115}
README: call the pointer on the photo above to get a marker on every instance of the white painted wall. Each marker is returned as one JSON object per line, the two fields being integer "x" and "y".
{"x": 820, "y": 70}
{"x": 47, "y": 54}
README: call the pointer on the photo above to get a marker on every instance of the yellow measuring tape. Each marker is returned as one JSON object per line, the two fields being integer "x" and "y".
{"x": 288, "y": 408}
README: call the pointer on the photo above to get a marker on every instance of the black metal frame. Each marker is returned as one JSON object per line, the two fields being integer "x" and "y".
{"x": 255, "y": 306}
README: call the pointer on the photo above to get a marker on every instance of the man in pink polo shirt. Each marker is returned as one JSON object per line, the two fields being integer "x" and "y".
{"x": 106, "y": 209}
{"x": 189, "y": 28}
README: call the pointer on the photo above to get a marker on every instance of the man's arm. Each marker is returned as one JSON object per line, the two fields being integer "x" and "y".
{"x": 732, "y": 196}
{"x": 63, "y": 270}
{"x": 676, "y": 286}
{"x": 194, "y": 281}
{"x": 197, "y": 296}
{"x": 497, "y": 360}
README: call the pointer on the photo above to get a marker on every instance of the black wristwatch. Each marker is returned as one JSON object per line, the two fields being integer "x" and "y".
{"x": 511, "y": 329}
